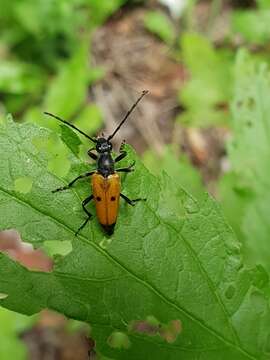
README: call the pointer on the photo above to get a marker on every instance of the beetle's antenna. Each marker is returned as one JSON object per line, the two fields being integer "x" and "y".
{"x": 71, "y": 125}
{"x": 128, "y": 113}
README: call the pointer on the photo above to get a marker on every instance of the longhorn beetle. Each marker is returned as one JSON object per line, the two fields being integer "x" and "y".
{"x": 105, "y": 181}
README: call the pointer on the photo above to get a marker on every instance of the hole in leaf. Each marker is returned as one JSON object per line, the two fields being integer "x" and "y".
{"x": 40, "y": 143}
{"x": 170, "y": 331}
{"x": 3, "y": 296}
{"x": 105, "y": 242}
{"x": 12, "y": 245}
{"x": 58, "y": 163}
{"x": 118, "y": 340}
{"x": 152, "y": 327}
{"x": 57, "y": 247}
{"x": 23, "y": 184}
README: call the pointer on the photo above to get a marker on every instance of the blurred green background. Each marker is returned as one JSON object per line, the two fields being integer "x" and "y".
{"x": 88, "y": 60}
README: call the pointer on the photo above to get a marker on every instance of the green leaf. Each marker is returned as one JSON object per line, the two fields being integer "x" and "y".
{"x": 263, "y": 4}
{"x": 207, "y": 92}
{"x": 67, "y": 92}
{"x": 70, "y": 139}
{"x": 12, "y": 325}
{"x": 90, "y": 119}
{"x": 19, "y": 78}
{"x": 252, "y": 25}
{"x": 179, "y": 169}
{"x": 40, "y": 18}
{"x": 160, "y": 25}
{"x": 249, "y": 154}
{"x": 101, "y": 10}
{"x": 170, "y": 259}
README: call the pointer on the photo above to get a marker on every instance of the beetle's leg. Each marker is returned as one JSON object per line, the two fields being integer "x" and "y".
{"x": 73, "y": 181}
{"x": 122, "y": 154}
{"x": 84, "y": 203}
{"x": 126, "y": 169}
{"x": 91, "y": 154}
{"x": 123, "y": 143}
{"x": 130, "y": 202}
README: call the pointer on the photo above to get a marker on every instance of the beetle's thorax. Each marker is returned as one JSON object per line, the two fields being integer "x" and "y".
{"x": 105, "y": 164}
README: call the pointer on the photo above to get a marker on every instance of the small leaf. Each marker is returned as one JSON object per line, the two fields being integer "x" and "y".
{"x": 19, "y": 78}
{"x": 71, "y": 139}
{"x": 160, "y": 25}
{"x": 100, "y": 10}
{"x": 207, "y": 92}
{"x": 252, "y": 25}
{"x": 68, "y": 89}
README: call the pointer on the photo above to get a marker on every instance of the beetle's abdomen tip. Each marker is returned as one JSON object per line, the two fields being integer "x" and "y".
{"x": 109, "y": 228}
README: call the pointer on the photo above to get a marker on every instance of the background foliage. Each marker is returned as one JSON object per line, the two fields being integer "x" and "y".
{"x": 172, "y": 281}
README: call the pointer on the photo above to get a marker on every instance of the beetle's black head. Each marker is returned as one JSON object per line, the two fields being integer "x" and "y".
{"x": 103, "y": 145}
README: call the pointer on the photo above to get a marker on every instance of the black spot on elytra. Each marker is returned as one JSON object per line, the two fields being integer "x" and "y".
{"x": 113, "y": 198}
{"x": 98, "y": 198}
